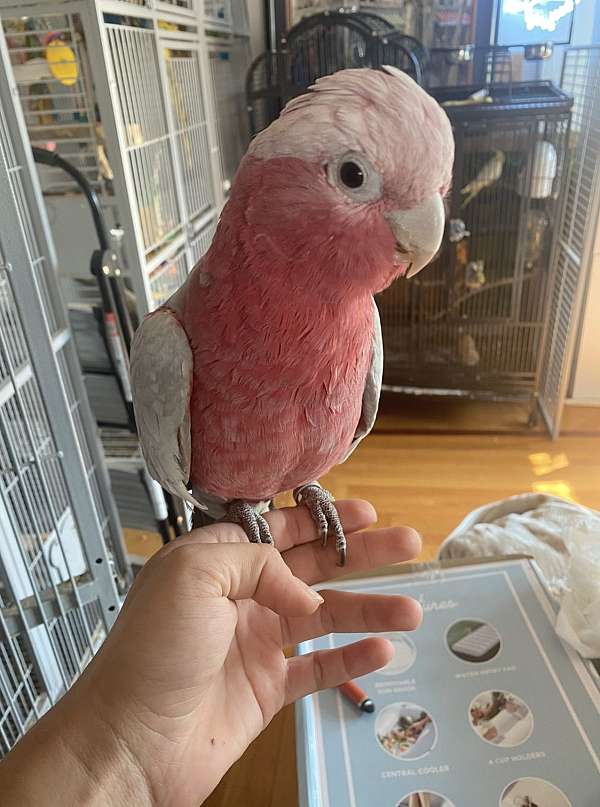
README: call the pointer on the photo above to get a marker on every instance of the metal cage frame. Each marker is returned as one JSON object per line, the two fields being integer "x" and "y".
{"x": 150, "y": 62}
{"x": 229, "y": 60}
{"x": 63, "y": 566}
{"x": 473, "y": 325}
{"x": 575, "y": 244}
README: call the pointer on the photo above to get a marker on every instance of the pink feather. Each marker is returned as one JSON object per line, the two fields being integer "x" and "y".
{"x": 281, "y": 348}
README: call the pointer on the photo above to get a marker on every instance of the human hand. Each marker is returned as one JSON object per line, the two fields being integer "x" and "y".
{"x": 194, "y": 667}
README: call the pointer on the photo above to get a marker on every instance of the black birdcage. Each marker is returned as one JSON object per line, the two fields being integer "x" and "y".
{"x": 464, "y": 65}
{"x": 473, "y": 322}
{"x": 400, "y": 50}
{"x": 323, "y": 44}
{"x": 320, "y": 45}
{"x": 264, "y": 90}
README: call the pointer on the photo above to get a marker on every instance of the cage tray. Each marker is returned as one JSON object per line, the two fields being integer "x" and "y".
{"x": 517, "y": 97}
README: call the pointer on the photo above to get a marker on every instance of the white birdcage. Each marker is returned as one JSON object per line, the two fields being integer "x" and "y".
{"x": 155, "y": 153}
{"x": 56, "y": 108}
{"x": 62, "y": 562}
{"x": 229, "y": 53}
{"x": 573, "y": 259}
{"x": 218, "y": 14}
{"x": 229, "y": 62}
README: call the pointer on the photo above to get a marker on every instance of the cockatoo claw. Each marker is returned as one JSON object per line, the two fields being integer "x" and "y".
{"x": 254, "y": 525}
{"x": 322, "y": 509}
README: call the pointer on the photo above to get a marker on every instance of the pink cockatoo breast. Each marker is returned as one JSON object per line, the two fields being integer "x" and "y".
{"x": 281, "y": 349}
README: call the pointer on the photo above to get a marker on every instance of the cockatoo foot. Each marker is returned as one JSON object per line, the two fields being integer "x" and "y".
{"x": 320, "y": 504}
{"x": 253, "y": 524}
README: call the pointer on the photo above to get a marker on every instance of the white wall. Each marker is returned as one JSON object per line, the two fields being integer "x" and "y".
{"x": 586, "y": 387}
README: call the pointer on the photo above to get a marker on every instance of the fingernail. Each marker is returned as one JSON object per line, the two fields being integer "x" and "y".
{"x": 316, "y": 596}
{"x": 414, "y": 538}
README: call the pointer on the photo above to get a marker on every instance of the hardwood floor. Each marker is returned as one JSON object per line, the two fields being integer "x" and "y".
{"x": 428, "y": 464}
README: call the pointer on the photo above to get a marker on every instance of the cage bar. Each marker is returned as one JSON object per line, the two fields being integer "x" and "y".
{"x": 62, "y": 561}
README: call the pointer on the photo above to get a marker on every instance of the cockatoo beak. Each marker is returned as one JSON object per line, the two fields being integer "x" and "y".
{"x": 418, "y": 233}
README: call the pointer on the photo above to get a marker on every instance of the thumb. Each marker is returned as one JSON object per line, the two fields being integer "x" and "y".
{"x": 257, "y": 572}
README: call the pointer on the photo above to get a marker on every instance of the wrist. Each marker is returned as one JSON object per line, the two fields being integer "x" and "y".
{"x": 72, "y": 756}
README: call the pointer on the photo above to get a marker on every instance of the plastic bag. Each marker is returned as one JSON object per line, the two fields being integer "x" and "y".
{"x": 578, "y": 621}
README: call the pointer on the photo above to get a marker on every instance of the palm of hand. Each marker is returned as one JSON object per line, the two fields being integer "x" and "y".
{"x": 252, "y": 680}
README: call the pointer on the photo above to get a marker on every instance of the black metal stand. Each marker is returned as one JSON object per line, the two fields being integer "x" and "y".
{"x": 117, "y": 321}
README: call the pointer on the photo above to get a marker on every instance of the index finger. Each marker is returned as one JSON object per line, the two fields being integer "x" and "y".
{"x": 293, "y": 526}
{"x": 366, "y": 550}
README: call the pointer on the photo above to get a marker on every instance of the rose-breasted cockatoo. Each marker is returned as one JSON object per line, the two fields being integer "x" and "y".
{"x": 264, "y": 369}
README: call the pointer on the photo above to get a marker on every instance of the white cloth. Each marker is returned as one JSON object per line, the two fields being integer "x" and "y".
{"x": 564, "y": 539}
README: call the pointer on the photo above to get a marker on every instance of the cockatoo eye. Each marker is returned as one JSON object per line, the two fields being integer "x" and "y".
{"x": 354, "y": 175}
{"x": 351, "y": 175}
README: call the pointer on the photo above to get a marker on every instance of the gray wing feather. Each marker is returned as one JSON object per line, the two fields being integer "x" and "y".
{"x": 372, "y": 391}
{"x": 161, "y": 379}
